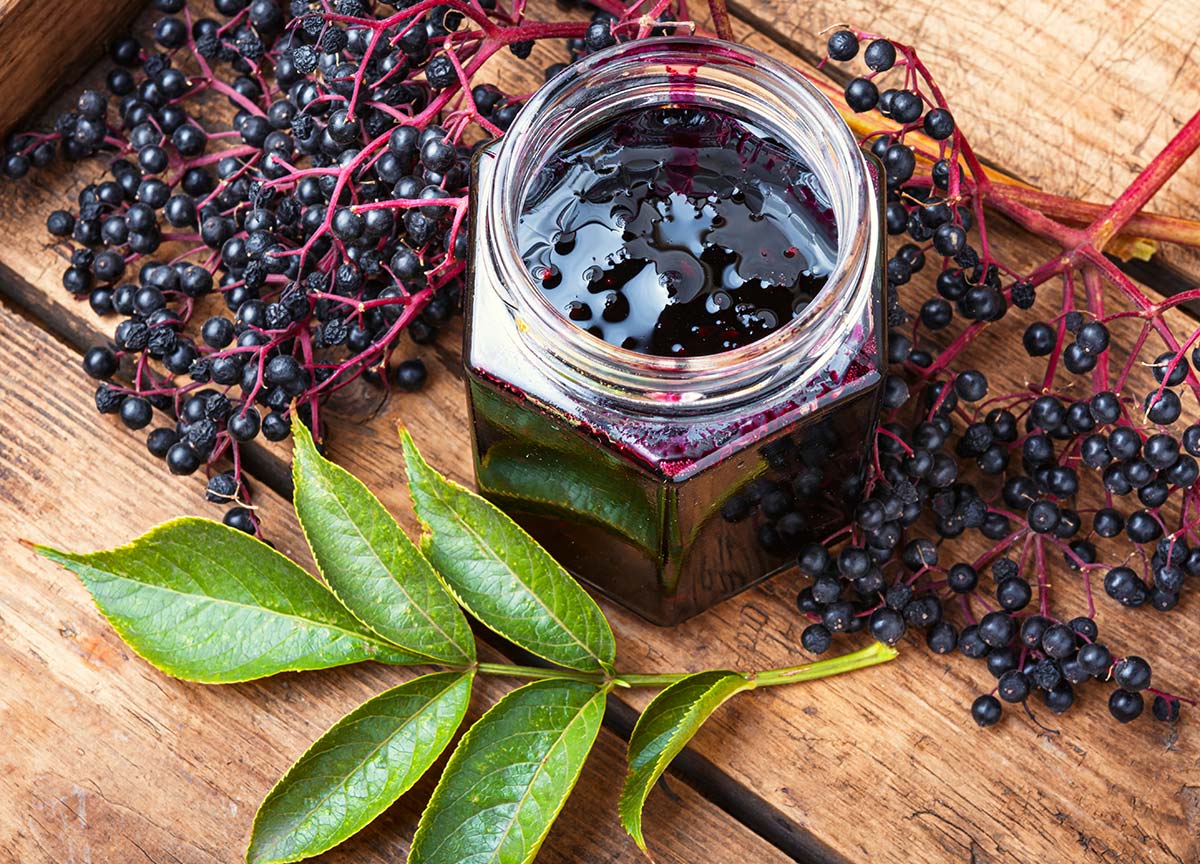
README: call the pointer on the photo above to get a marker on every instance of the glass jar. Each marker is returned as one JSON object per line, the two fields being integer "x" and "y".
{"x": 672, "y": 483}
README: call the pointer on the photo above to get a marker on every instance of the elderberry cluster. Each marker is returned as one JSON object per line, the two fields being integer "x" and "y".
{"x": 282, "y": 209}
{"x": 1066, "y": 474}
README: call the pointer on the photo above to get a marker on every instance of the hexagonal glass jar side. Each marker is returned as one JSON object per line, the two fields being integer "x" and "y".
{"x": 671, "y": 484}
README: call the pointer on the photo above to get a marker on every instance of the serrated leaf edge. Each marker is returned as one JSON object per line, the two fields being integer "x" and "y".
{"x": 411, "y": 454}
{"x": 632, "y": 801}
{"x": 301, "y": 434}
{"x": 70, "y": 560}
{"x": 469, "y": 674}
{"x": 601, "y": 693}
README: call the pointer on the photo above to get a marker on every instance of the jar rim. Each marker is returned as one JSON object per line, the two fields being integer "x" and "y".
{"x": 806, "y": 121}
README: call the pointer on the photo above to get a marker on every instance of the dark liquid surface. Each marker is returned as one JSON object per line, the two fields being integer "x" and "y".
{"x": 678, "y": 232}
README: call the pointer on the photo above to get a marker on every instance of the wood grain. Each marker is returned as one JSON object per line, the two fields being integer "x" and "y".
{"x": 105, "y": 759}
{"x": 883, "y": 766}
{"x": 44, "y": 49}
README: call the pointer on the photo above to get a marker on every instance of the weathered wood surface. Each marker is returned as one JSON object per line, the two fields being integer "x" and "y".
{"x": 43, "y": 49}
{"x": 884, "y": 766}
{"x": 107, "y": 760}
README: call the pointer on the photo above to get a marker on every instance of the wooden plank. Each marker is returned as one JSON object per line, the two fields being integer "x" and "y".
{"x": 1073, "y": 97}
{"x": 890, "y": 751}
{"x": 106, "y": 759}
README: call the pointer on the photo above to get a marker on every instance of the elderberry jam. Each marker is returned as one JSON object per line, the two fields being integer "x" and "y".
{"x": 678, "y": 232}
{"x": 674, "y": 346}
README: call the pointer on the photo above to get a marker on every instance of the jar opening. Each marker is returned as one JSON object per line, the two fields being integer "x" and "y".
{"x": 677, "y": 231}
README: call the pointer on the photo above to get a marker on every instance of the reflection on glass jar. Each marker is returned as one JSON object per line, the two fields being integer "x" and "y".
{"x": 674, "y": 326}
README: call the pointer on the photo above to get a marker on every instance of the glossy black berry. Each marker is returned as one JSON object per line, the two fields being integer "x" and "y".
{"x": 1013, "y": 686}
{"x": 1095, "y": 659}
{"x": 1132, "y": 673}
{"x": 842, "y": 45}
{"x": 880, "y": 55}
{"x": 997, "y": 629}
{"x": 986, "y": 710}
{"x": 816, "y": 639}
{"x": 182, "y": 459}
{"x": 240, "y": 518}
{"x": 886, "y": 625}
{"x": 99, "y": 362}
{"x": 1165, "y": 708}
{"x": 862, "y": 95}
{"x": 1125, "y": 706}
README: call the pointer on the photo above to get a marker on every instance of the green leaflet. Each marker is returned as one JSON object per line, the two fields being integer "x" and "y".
{"x": 503, "y": 577}
{"x": 205, "y": 602}
{"x": 510, "y": 775}
{"x": 665, "y": 727}
{"x": 359, "y": 768}
{"x": 369, "y": 563}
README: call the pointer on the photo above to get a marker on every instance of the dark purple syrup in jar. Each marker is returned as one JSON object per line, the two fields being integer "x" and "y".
{"x": 678, "y": 232}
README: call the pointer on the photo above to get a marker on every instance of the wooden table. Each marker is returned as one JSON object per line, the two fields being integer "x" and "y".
{"x": 103, "y": 759}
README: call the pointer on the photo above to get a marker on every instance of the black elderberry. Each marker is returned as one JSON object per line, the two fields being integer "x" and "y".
{"x": 1165, "y": 708}
{"x": 1013, "y": 686}
{"x": 222, "y": 488}
{"x": 1014, "y": 594}
{"x": 862, "y": 95}
{"x": 886, "y": 625}
{"x": 439, "y": 72}
{"x": 1095, "y": 659}
{"x": 1191, "y": 439}
{"x": 1032, "y": 630}
{"x": 941, "y": 637}
{"x": 986, "y": 710}
{"x": 411, "y": 375}
{"x": 1163, "y": 406}
{"x": 899, "y": 162}
{"x": 1125, "y": 706}
{"x": 1142, "y": 527}
{"x": 997, "y": 629}
{"x": 1002, "y": 660}
{"x": 842, "y": 45}
{"x": 838, "y": 616}
{"x": 182, "y": 459}
{"x": 1060, "y": 698}
{"x": 939, "y": 125}
{"x": 159, "y": 441}
{"x": 1046, "y": 674}
{"x": 240, "y": 518}
{"x": 816, "y": 639}
{"x": 880, "y": 55}
{"x": 1039, "y": 339}
{"x": 1132, "y": 674}
{"x": 1058, "y": 641}
{"x": 970, "y": 643}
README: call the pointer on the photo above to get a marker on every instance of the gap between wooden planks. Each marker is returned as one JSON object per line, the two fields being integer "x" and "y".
{"x": 896, "y": 757}
{"x": 108, "y": 760}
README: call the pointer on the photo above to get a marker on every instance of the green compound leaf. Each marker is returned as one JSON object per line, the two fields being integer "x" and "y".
{"x": 510, "y": 775}
{"x": 369, "y": 563}
{"x": 205, "y": 602}
{"x": 664, "y": 729}
{"x": 359, "y": 768}
{"x": 503, "y": 577}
